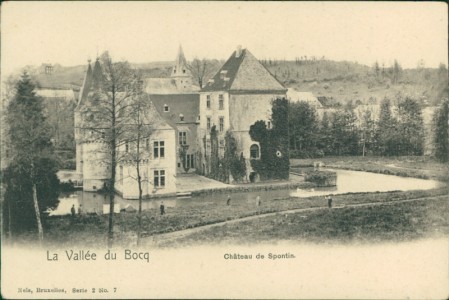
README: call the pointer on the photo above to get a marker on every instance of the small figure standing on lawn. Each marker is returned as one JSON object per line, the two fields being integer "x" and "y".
{"x": 73, "y": 211}
{"x": 258, "y": 200}
{"x": 162, "y": 207}
{"x": 228, "y": 202}
{"x": 329, "y": 201}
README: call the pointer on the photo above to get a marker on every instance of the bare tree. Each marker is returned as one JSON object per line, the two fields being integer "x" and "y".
{"x": 201, "y": 70}
{"x": 106, "y": 117}
{"x": 141, "y": 126}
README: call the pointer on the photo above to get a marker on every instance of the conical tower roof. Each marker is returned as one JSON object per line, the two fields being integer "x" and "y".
{"x": 97, "y": 74}
{"x": 87, "y": 84}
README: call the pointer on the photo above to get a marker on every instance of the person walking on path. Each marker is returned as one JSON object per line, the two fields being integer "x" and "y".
{"x": 228, "y": 202}
{"x": 80, "y": 210}
{"x": 258, "y": 200}
{"x": 329, "y": 201}
{"x": 162, "y": 208}
{"x": 73, "y": 211}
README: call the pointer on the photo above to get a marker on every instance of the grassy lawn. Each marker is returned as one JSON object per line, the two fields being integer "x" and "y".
{"x": 380, "y": 223}
{"x": 407, "y": 166}
{"x": 91, "y": 231}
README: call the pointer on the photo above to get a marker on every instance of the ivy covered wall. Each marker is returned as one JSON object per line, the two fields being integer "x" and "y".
{"x": 274, "y": 160}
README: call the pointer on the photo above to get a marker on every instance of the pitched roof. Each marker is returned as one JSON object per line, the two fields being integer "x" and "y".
{"x": 296, "y": 96}
{"x": 187, "y": 105}
{"x": 163, "y": 86}
{"x": 243, "y": 72}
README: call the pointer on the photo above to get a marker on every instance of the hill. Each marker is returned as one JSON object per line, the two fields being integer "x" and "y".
{"x": 341, "y": 81}
{"x": 348, "y": 81}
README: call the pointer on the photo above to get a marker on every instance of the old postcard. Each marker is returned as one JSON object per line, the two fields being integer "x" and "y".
{"x": 224, "y": 150}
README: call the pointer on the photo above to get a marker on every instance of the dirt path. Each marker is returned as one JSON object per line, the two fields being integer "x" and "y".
{"x": 156, "y": 239}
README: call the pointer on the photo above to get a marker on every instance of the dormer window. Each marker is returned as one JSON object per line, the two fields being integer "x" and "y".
{"x": 181, "y": 117}
{"x": 166, "y": 108}
{"x": 184, "y": 71}
{"x": 174, "y": 71}
{"x": 223, "y": 74}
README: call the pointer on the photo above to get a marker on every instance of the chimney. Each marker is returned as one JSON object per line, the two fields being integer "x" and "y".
{"x": 238, "y": 51}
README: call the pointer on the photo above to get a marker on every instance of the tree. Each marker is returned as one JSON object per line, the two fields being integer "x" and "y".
{"x": 343, "y": 131}
{"x": 32, "y": 171}
{"x": 303, "y": 126}
{"x": 232, "y": 163}
{"x": 325, "y": 136}
{"x": 441, "y": 132}
{"x": 368, "y": 131}
{"x": 140, "y": 127}
{"x": 386, "y": 130}
{"x": 410, "y": 127}
{"x": 376, "y": 69}
{"x": 274, "y": 143}
{"x": 201, "y": 70}
{"x": 107, "y": 117}
{"x": 397, "y": 71}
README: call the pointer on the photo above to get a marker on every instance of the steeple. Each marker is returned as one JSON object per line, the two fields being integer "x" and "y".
{"x": 180, "y": 68}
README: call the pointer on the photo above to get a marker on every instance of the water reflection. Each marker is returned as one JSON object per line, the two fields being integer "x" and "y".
{"x": 358, "y": 182}
{"x": 347, "y": 182}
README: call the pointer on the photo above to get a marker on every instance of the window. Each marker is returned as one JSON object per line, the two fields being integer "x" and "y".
{"x": 182, "y": 137}
{"x": 221, "y": 123}
{"x": 166, "y": 108}
{"x": 181, "y": 117}
{"x": 220, "y": 102}
{"x": 121, "y": 175}
{"x": 126, "y": 147}
{"x": 254, "y": 151}
{"x": 190, "y": 161}
{"x": 208, "y": 123}
{"x": 147, "y": 144}
{"x": 183, "y": 71}
{"x": 159, "y": 178}
{"x": 159, "y": 149}
{"x": 208, "y": 101}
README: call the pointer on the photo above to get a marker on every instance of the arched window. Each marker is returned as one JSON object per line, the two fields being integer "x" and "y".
{"x": 254, "y": 151}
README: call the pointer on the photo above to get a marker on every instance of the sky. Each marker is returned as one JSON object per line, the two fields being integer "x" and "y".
{"x": 69, "y": 33}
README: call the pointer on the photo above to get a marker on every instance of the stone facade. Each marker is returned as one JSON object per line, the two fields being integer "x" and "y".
{"x": 240, "y": 94}
{"x": 158, "y": 167}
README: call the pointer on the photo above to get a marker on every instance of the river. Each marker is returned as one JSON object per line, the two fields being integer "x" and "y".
{"x": 347, "y": 182}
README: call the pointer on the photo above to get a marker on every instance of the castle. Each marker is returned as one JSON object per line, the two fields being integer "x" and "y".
{"x": 235, "y": 98}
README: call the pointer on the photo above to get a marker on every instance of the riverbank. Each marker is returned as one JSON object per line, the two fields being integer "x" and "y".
{"x": 406, "y": 166}
{"x": 90, "y": 230}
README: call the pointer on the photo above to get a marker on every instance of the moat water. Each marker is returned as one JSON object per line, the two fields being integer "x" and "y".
{"x": 347, "y": 182}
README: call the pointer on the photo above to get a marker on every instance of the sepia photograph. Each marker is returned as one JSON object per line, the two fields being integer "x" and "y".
{"x": 224, "y": 150}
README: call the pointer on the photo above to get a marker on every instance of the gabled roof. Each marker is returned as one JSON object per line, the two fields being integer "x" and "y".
{"x": 243, "y": 72}
{"x": 164, "y": 86}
